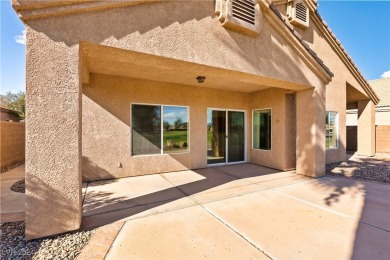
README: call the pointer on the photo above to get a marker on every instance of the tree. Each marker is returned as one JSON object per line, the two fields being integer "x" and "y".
{"x": 166, "y": 126}
{"x": 15, "y": 102}
{"x": 178, "y": 123}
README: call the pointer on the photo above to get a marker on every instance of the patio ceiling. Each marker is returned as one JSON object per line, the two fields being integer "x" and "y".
{"x": 354, "y": 95}
{"x": 119, "y": 62}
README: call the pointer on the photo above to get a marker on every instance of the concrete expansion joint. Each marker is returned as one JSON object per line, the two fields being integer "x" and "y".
{"x": 112, "y": 242}
{"x": 226, "y": 224}
{"x": 239, "y": 234}
{"x": 330, "y": 211}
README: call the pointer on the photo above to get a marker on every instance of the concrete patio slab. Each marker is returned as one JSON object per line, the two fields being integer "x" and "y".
{"x": 203, "y": 180}
{"x": 206, "y": 185}
{"x": 361, "y": 200}
{"x": 203, "y": 213}
{"x": 262, "y": 175}
{"x": 17, "y": 173}
{"x": 246, "y": 170}
{"x": 113, "y": 195}
{"x": 12, "y": 203}
{"x": 288, "y": 228}
{"x": 191, "y": 233}
{"x": 105, "y": 218}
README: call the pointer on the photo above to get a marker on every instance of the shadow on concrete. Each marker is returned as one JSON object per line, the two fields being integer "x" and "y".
{"x": 370, "y": 204}
{"x": 101, "y": 208}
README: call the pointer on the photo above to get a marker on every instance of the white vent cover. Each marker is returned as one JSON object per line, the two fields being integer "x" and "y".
{"x": 298, "y": 13}
{"x": 239, "y": 15}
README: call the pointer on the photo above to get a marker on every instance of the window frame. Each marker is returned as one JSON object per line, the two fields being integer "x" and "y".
{"x": 337, "y": 128}
{"x": 161, "y": 129}
{"x": 253, "y": 132}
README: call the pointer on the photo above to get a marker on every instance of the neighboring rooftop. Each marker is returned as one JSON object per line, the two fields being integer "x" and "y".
{"x": 382, "y": 89}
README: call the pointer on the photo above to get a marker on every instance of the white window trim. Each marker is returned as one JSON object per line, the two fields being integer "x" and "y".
{"x": 253, "y": 125}
{"x": 162, "y": 130}
{"x": 337, "y": 130}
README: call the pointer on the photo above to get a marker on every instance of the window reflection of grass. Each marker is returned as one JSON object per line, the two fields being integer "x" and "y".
{"x": 179, "y": 139}
{"x": 209, "y": 137}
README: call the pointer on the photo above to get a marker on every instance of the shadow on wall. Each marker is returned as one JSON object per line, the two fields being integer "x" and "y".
{"x": 44, "y": 196}
{"x": 118, "y": 23}
{"x": 276, "y": 55}
{"x": 91, "y": 171}
{"x": 106, "y": 140}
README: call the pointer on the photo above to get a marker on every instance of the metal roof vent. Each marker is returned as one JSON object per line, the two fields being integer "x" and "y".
{"x": 298, "y": 13}
{"x": 239, "y": 15}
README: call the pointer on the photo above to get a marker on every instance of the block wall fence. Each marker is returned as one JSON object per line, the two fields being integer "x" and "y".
{"x": 12, "y": 143}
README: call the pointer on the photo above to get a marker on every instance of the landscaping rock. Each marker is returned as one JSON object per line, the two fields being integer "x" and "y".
{"x": 19, "y": 186}
{"x": 13, "y": 245}
{"x": 363, "y": 168}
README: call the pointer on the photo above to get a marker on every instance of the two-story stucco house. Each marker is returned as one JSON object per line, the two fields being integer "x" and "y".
{"x": 125, "y": 88}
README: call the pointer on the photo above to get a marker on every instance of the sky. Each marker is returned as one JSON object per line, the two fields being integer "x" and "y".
{"x": 363, "y": 27}
{"x": 171, "y": 113}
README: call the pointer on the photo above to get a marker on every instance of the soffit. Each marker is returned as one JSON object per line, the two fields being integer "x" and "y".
{"x": 114, "y": 61}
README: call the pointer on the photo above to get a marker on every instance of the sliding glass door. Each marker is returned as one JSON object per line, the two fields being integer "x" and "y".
{"x": 225, "y": 136}
{"x": 236, "y": 136}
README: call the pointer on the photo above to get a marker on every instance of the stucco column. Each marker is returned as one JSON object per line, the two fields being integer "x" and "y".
{"x": 310, "y": 131}
{"x": 366, "y": 128}
{"x": 53, "y": 135}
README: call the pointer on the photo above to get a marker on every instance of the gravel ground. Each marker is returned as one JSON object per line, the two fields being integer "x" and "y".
{"x": 375, "y": 168}
{"x": 19, "y": 186}
{"x": 13, "y": 245}
{"x": 10, "y": 167}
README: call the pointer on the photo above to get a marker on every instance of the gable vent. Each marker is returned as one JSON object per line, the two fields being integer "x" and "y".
{"x": 244, "y": 10}
{"x": 298, "y": 13}
{"x": 239, "y": 15}
{"x": 301, "y": 12}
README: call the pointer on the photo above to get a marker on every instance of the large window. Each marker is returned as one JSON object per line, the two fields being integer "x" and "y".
{"x": 159, "y": 129}
{"x": 262, "y": 129}
{"x": 331, "y": 130}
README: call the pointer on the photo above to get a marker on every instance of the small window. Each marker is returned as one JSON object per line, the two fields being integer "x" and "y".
{"x": 331, "y": 122}
{"x": 262, "y": 129}
{"x": 159, "y": 129}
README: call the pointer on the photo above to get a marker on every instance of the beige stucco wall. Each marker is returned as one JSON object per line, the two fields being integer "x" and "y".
{"x": 279, "y": 157}
{"x": 106, "y": 125}
{"x": 382, "y": 116}
{"x": 189, "y": 32}
{"x": 336, "y": 93}
{"x": 12, "y": 143}
{"x": 53, "y": 134}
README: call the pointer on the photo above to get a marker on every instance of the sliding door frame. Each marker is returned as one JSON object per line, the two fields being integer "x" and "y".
{"x": 227, "y": 110}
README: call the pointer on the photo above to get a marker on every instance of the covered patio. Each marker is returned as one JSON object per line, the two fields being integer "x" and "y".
{"x": 236, "y": 211}
{"x": 108, "y": 201}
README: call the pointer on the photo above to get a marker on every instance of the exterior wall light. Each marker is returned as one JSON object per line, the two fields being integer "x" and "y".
{"x": 200, "y": 79}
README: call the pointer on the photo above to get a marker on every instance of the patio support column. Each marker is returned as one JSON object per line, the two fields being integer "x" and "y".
{"x": 310, "y": 131}
{"x": 366, "y": 128}
{"x": 53, "y": 136}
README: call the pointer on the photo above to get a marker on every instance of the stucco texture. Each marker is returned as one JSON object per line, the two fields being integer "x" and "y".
{"x": 337, "y": 89}
{"x": 53, "y": 147}
{"x": 61, "y": 143}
